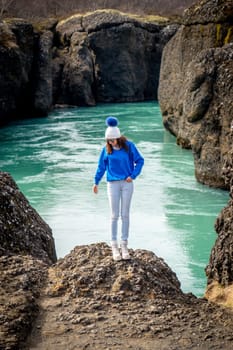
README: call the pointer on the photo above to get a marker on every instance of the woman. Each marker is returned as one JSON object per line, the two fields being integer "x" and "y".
{"x": 123, "y": 163}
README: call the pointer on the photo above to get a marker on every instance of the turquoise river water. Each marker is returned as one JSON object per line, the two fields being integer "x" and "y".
{"x": 53, "y": 161}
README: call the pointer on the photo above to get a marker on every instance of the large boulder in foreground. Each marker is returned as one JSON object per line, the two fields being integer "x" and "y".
{"x": 97, "y": 303}
{"x": 23, "y": 231}
{"x": 195, "y": 88}
{"x": 90, "y": 271}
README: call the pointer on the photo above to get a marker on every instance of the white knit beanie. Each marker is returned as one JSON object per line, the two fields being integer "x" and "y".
{"x": 112, "y": 131}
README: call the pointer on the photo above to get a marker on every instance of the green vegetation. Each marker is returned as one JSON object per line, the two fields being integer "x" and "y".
{"x": 150, "y": 18}
{"x": 229, "y": 37}
{"x": 218, "y": 35}
{"x": 7, "y": 39}
{"x": 220, "y": 32}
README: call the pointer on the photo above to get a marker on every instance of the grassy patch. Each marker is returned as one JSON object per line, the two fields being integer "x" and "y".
{"x": 142, "y": 18}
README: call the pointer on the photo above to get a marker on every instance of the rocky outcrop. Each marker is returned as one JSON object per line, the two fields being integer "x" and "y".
{"x": 43, "y": 96}
{"x": 195, "y": 88}
{"x": 105, "y": 56}
{"x": 104, "y": 304}
{"x": 25, "y": 70}
{"x": 16, "y": 61}
{"x": 21, "y": 279}
{"x": 108, "y": 57}
{"x": 89, "y": 297}
{"x": 73, "y": 66}
{"x": 26, "y": 250}
{"x": 145, "y": 276}
{"x": 195, "y": 95}
{"x": 22, "y": 230}
{"x": 135, "y": 304}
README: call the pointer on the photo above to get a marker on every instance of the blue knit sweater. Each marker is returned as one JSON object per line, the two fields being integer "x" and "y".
{"x": 120, "y": 164}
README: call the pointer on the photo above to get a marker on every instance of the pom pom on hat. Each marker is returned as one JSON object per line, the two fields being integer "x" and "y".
{"x": 111, "y": 121}
{"x": 112, "y": 131}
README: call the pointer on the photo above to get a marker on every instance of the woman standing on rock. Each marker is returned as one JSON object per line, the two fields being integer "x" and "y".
{"x": 123, "y": 163}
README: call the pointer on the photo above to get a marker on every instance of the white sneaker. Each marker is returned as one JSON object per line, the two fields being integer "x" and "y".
{"x": 115, "y": 251}
{"x": 124, "y": 250}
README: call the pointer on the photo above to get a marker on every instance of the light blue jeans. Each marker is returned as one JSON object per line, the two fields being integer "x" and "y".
{"x": 119, "y": 195}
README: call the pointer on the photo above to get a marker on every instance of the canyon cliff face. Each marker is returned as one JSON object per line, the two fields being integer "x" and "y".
{"x": 108, "y": 57}
{"x": 16, "y": 57}
{"x": 195, "y": 89}
{"x": 25, "y": 70}
{"x": 195, "y": 95}
{"x": 105, "y": 56}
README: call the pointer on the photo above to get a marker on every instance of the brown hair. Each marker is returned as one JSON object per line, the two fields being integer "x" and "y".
{"x": 121, "y": 142}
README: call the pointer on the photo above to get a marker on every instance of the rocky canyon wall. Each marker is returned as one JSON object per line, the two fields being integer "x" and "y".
{"x": 196, "y": 87}
{"x": 195, "y": 95}
{"x": 105, "y": 56}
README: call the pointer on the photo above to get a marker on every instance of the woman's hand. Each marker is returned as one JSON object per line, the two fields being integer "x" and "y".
{"x": 128, "y": 179}
{"x": 95, "y": 189}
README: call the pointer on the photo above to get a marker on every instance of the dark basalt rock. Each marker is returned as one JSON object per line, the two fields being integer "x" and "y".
{"x": 72, "y": 63}
{"x": 16, "y": 60}
{"x": 108, "y": 57}
{"x": 195, "y": 95}
{"x": 25, "y": 71}
{"x": 195, "y": 88}
{"x": 22, "y": 230}
{"x": 206, "y": 11}
{"x": 42, "y": 81}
